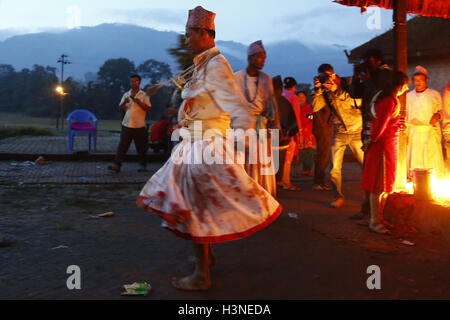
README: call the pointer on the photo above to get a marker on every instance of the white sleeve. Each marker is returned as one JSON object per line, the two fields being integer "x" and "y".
{"x": 221, "y": 84}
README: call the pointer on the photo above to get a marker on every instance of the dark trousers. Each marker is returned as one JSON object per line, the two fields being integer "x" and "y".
{"x": 140, "y": 138}
{"x": 324, "y": 139}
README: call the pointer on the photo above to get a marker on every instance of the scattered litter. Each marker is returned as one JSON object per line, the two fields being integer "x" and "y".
{"x": 106, "y": 214}
{"x": 408, "y": 243}
{"x": 60, "y": 247}
{"x": 136, "y": 289}
{"x": 41, "y": 160}
{"x": 22, "y": 164}
{"x": 294, "y": 215}
{"x": 103, "y": 215}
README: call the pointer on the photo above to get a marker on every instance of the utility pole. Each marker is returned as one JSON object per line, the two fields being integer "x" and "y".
{"x": 63, "y": 61}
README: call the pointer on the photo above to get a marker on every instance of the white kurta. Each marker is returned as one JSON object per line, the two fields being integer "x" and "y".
{"x": 424, "y": 140}
{"x": 203, "y": 202}
{"x": 259, "y": 94}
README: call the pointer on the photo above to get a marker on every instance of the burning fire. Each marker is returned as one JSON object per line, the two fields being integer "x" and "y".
{"x": 440, "y": 189}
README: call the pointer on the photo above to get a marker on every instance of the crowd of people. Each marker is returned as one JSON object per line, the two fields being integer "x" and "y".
{"x": 211, "y": 203}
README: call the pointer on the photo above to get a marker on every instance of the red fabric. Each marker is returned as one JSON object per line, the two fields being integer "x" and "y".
{"x": 432, "y": 8}
{"x": 380, "y": 163}
{"x": 213, "y": 239}
{"x": 85, "y": 126}
{"x": 159, "y": 130}
{"x": 309, "y": 140}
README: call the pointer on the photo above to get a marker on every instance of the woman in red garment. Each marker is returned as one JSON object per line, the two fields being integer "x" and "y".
{"x": 381, "y": 151}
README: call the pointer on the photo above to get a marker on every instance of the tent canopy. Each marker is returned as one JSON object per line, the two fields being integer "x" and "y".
{"x": 429, "y": 8}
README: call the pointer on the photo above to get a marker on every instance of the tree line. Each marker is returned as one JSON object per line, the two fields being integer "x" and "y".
{"x": 32, "y": 91}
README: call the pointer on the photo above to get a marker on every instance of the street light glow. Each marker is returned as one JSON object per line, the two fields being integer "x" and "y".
{"x": 60, "y": 90}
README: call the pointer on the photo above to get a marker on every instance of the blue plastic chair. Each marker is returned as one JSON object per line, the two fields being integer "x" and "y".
{"x": 80, "y": 123}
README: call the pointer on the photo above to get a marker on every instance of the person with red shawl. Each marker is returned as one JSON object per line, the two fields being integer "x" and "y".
{"x": 381, "y": 149}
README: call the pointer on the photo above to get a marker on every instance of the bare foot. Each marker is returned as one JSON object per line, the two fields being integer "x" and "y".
{"x": 193, "y": 282}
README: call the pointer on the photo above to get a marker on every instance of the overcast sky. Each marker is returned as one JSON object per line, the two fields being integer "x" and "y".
{"x": 311, "y": 22}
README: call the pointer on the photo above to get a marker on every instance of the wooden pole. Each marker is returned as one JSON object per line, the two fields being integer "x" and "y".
{"x": 401, "y": 64}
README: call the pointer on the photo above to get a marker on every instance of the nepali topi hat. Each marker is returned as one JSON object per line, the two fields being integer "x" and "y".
{"x": 255, "y": 47}
{"x": 201, "y": 18}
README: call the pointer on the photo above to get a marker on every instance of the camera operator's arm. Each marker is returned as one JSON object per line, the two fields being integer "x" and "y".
{"x": 318, "y": 102}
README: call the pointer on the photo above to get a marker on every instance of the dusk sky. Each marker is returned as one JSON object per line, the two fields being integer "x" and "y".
{"x": 310, "y": 22}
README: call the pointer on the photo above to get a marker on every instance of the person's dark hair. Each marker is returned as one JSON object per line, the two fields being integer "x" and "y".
{"x": 136, "y": 76}
{"x": 325, "y": 67}
{"x": 277, "y": 83}
{"x": 373, "y": 53}
{"x": 212, "y": 33}
{"x": 393, "y": 81}
{"x": 289, "y": 82}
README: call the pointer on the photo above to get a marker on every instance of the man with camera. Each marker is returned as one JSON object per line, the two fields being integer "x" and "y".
{"x": 346, "y": 118}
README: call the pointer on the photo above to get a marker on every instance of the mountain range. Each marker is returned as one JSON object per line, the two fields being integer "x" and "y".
{"x": 89, "y": 47}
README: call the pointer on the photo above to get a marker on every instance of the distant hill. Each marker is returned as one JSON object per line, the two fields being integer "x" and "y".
{"x": 89, "y": 47}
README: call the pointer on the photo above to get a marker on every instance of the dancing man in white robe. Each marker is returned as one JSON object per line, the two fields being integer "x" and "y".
{"x": 202, "y": 201}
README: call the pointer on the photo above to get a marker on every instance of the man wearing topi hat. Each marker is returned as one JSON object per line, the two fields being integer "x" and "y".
{"x": 424, "y": 106}
{"x": 207, "y": 202}
{"x": 256, "y": 86}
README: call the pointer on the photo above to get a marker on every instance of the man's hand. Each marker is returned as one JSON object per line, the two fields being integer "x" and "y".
{"x": 366, "y": 145}
{"x": 124, "y": 105}
{"x": 435, "y": 118}
{"x": 331, "y": 86}
{"x": 172, "y": 112}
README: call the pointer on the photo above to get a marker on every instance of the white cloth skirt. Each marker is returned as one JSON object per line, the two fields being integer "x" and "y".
{"x": 205, "y": 201}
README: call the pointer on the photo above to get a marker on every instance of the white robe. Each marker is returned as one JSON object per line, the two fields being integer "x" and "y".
{"x": 201, "y": 201}
{"x": 424, "y": 140}
{"x": 261, "y": 105}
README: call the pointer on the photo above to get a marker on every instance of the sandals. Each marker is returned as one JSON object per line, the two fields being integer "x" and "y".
{"x": 290, "y": 187}
{"x": 378, "y": 228}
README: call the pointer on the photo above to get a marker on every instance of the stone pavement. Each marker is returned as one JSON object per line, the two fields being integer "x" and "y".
{"x": 80, "y": 172}
{"x": 106, "y": 143}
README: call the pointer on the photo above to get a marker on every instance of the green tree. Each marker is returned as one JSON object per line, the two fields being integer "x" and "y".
{"x": 115, "y": 74}
{"x": 154, "y": 70}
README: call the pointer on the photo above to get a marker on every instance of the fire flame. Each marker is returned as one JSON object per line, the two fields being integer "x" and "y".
{"x": 440, "y": 189}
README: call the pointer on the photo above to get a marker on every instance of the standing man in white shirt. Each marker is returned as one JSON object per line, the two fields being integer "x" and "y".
{"x": 424, "y": 107}
{"x": 136, "y": 104}
{"x": 446, "y": 125}
{"x": 256, "y": 86}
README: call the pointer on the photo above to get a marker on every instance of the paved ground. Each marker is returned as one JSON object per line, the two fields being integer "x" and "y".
{"x": 310, "y": 252}
{"x": 107, "y": 143}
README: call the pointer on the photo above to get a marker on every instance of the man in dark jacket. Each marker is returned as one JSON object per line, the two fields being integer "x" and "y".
{"x": 287, "y": 119}
{"x": 366, "y": 82}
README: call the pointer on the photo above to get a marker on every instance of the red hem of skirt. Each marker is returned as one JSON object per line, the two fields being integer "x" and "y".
{"x": 224, "y": 238}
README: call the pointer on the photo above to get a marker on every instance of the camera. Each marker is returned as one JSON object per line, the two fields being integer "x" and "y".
{"x": 361, "y": 69}
{"x": 322, "y": 77}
